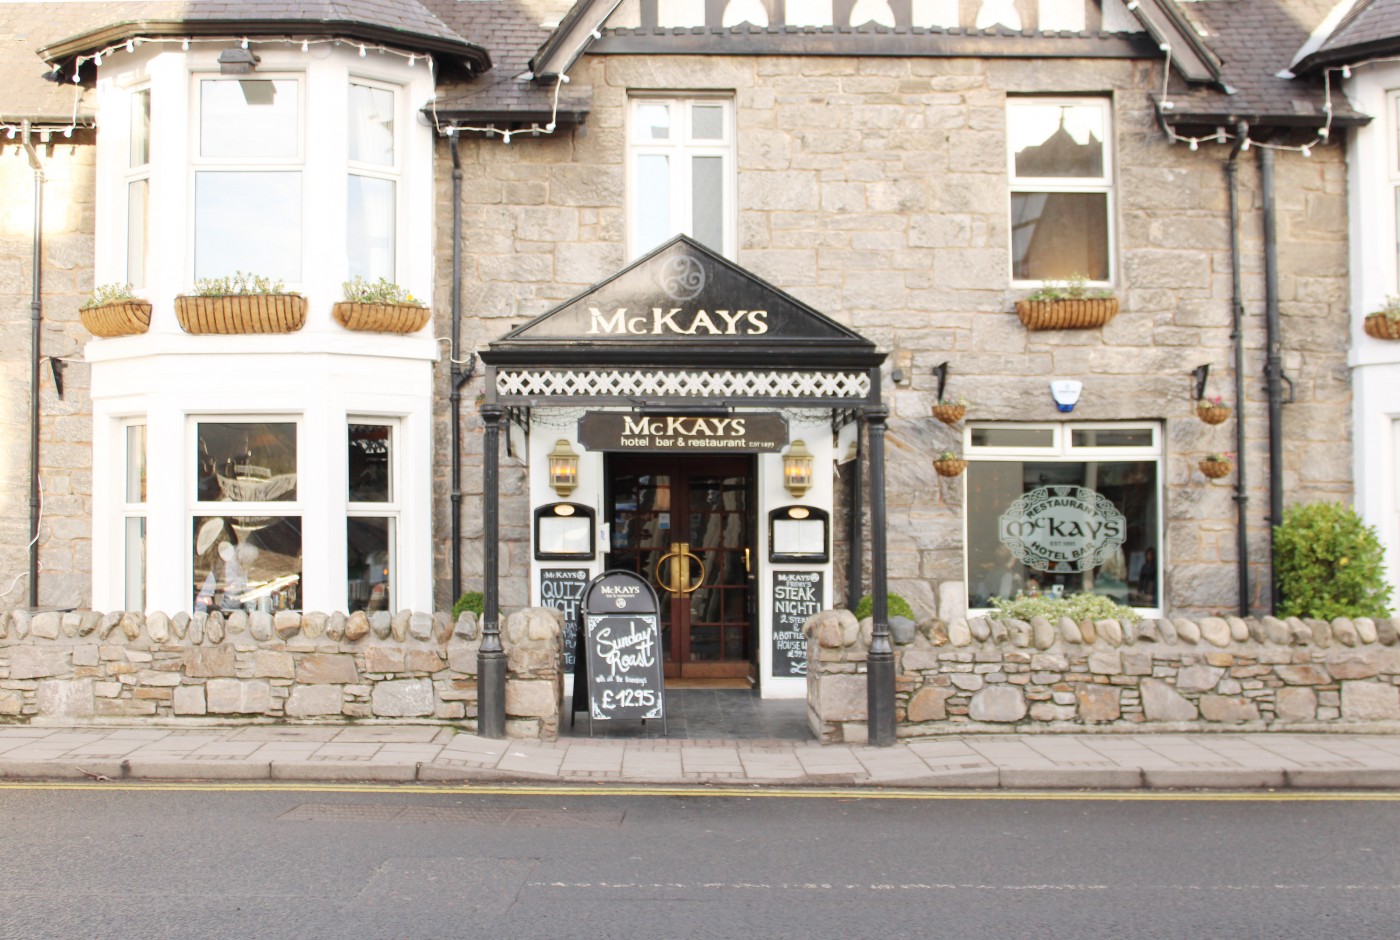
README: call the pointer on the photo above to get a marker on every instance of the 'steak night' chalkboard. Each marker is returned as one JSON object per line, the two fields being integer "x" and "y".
{"x": 622, "y": 642}
{"x": 797, "y": 595}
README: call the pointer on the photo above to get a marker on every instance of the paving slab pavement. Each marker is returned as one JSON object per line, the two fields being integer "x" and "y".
{"x": 405, "y": 753}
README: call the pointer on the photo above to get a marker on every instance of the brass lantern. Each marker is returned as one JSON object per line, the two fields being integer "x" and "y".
{"x": 563, "y": 469}
{"x": 797, "y": 469}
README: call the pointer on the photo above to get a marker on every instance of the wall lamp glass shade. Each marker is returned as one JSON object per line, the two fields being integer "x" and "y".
{"x": 563, "y": 468}
{"x": 797, "y": 469}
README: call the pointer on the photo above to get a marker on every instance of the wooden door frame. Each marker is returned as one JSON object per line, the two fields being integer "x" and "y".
{"x": 682, "y": 466}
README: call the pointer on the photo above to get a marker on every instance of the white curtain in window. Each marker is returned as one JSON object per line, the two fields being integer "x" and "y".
{"x": 369, "y": 234}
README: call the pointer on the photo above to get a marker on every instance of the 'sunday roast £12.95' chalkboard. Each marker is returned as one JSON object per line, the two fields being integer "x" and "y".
{"x": 622, "y": 642}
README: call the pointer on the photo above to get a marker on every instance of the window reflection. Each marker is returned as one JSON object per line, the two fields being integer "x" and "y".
{"x": 254, "y": 462}
{"x": 369, "y": 580}
{"x": 247, "y": 564}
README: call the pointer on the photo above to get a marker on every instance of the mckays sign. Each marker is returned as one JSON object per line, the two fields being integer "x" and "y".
{"x": 738, "y": 433}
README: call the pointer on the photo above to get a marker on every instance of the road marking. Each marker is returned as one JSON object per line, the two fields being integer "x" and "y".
{"x": 798, "y": 793}
{"x": 908, "y": 888}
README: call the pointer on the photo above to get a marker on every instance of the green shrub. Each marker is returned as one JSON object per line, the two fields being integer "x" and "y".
{"x": 104, "y": 294}
{"x": 1076, "y": 607}
{"x": 474, "y": 601}
{"x": 382, "y": 291}
{"x": 1329, "y": 564}
{"x": 898, "y": 607}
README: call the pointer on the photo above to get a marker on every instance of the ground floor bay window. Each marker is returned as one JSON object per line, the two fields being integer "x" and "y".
{"x": 1062, "y": 509}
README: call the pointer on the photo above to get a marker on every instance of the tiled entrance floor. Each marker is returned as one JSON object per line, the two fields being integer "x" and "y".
{"x": 709, "y": 715}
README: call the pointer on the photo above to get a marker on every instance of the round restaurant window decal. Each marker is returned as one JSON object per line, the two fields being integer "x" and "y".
{"x": 1062, "y": 528}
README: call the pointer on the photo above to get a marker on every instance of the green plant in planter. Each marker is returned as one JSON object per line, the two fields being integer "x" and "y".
{"x": 957, "y": 401}
{"x": 473, "y": 601}
{"x": 237, "y": 283}
{"x": 1076, "y": 607}
{"x": 1329, "y": 564}
{"x": 104, "y": 294}
{"x": 942, "y": 456}
{"x": 896, "y": 605}
{"x": 1390, "y": 310}
{"x": 1074, "y": 287}
{"x": 383, "y": 291}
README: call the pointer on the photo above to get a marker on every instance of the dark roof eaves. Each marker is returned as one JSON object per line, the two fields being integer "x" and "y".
{"x": 1347, "y": 55}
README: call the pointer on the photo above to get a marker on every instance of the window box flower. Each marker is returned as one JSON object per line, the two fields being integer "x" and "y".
{"x": 1216, "y": 466}
{"x": 379, "y": 307}
{"x": 1212, "y": 410}
{"x": 243, "y": 303}
{"x": 950, "y": 410}
{"x": 113, "y": 310}
{"x": 949, "y": 464}
{"x": 1067, "y": 305}
{"x": 1385, "y": 322}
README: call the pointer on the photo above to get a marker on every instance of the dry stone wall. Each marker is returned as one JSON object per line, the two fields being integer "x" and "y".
{"x": 84, "y": 666}
{"x": 1161, "y": 675}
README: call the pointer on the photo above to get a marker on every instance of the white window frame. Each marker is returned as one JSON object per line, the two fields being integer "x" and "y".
{"x": 1063, "y": 184}
{"x": 136, "y": 173}
{"x": 680, "y": 147}
{"x": 130, "y": 509}
{"x": 391, "y": 509}
{"x": 200, "y": 164}
{"x": 392, "y": 173}
{"x": 197, "y": 507}
{"x": 1392, "y": 173}
{"x": 1063, "y": 450}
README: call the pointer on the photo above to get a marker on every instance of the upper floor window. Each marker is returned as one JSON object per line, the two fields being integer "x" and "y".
{"x": 1061, "y": 189}
{"x": 138, "y": 188}
{"x": 681, "y": 172}
{"x": 248, "y": 177}
{"x": 372, "y": 183}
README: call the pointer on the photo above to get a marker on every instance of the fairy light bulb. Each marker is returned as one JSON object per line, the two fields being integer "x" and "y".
{"x": 1195, "y": 145}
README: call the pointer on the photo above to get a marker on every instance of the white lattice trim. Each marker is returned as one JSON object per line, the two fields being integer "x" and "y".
{"x": 614, "y": 383}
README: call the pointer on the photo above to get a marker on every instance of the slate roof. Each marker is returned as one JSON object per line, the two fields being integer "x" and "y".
{"x": 512, "y": 30}
{"x": 1255, "y": 41}
{"x": 25, "y": 28}
{"x": 1372, "y": 27}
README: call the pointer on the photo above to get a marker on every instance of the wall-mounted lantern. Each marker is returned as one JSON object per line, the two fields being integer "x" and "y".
{"x": 797, "y": 469}
{"x": 563, "y": 469}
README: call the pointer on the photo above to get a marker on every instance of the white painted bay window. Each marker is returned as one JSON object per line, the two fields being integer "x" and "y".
{"x": 681, "y": 173}
{"x": 248, "y": 165}
{"x": 246, "y": 520}
{"x": 1060, "y": 509}
{"x": 1061, "y": 172}
{"x": 371, "y": 524}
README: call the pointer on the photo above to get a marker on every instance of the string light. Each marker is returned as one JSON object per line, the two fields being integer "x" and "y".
{"x": 306, "y": 47}
{"x": 1195, "y": 145}
{"x": 362, "y": 51}
{"x": 130, "y": 46}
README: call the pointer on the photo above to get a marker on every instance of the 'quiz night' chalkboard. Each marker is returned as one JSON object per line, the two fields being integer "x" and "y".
{"x": 622, "y": 643}
{"x": 797, "y": 595}
{"x": 562, "y": 589}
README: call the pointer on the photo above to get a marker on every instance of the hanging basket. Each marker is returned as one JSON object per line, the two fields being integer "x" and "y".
{"x": 232, "y": 314}
{"x": 950, "y": 468}
{"x": 1067, "y": 314}
{"x": 1212, "y": 414}
{"x": 122, "y": 318}
{"x": 1380, "y": 326}
{"x": 949, "y": 414}
{"x": 1215, "y": 469}
{"x": 381, "y": 318}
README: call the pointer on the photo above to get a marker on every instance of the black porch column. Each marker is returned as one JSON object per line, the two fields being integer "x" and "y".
{"x": 491, "y": 658}
{"x": 880, "y": 668}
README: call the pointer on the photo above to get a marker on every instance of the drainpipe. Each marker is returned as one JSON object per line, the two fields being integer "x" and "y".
{"x": 1273, "y": 363}
{"x": 457, "y": 379}
{"x": 1237, "y": 339}
{"x": 36, "y": 309}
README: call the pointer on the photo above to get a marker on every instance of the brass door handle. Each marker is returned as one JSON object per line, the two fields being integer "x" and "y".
{"x": 680, "y": 556}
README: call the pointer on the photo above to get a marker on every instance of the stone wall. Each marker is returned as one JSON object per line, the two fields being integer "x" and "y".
{"x": 1211, "y": 674}
{"x": 875, "y": 190}
{"x": 65, "y": 535}
{"x": 84, "y": 665}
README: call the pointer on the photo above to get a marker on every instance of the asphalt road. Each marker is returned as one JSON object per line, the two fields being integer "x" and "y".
{"x": 312, "y": 863}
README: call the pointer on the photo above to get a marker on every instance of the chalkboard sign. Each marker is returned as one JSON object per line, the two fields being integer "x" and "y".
{"x": 797, "y": 595}
{"x": 562, "y": 589}
{"x": 622, "y": 644}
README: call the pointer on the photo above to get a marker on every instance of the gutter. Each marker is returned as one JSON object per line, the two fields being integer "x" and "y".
{"x": 36, "y": 309}
{"x": 1273, "y": 361}
{"x": 1237, "y": 341}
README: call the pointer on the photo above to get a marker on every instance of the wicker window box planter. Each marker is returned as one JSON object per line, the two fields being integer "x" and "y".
{"x": 1215, "y": 469}
{"x": 123, "y": 318}
{"x": 1067, "y": 314}
{"x": 1380, "y": 326}
{"x": 950, "y": 468}
{"x": 381, "y": 318}
{"x": 232, "y": 314}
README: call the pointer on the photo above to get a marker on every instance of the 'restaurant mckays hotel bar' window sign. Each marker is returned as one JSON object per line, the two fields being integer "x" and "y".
{"x": 1061, "y": 509}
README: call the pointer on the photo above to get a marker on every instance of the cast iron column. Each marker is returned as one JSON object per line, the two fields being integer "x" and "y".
{"x": 880, "y": 667}
{"x": 491, "y": 658}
